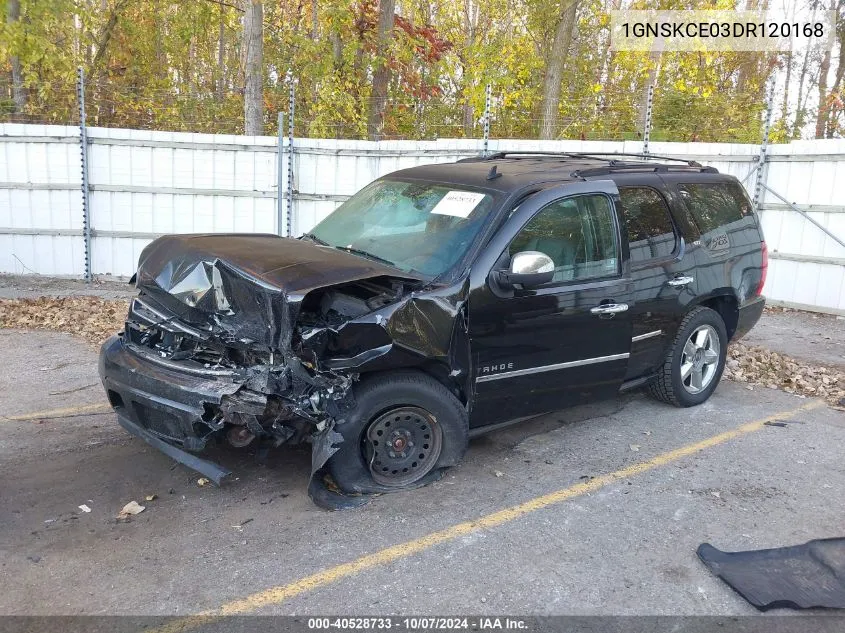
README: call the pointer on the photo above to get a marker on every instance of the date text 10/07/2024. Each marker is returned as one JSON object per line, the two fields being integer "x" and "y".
{"x": 419, "y": 623}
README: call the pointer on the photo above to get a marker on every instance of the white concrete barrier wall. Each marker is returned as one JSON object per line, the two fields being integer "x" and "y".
{"x": 143, "y": 184}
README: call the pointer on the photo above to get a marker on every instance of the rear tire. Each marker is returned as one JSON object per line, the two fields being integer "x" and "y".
{"x": 694, "y": 363}
{"x": 407, "y": 422}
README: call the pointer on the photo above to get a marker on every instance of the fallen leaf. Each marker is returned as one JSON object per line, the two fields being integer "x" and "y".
{"x": 203, "y": 481}
{"x": 757, "y": 365}
{"x": 150, "y": 497}
{"x": 92, "y": 318}
{"x": 131, "y": 508}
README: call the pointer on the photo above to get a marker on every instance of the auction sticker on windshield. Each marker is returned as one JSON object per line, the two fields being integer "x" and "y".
{"x": 458, "y": 203}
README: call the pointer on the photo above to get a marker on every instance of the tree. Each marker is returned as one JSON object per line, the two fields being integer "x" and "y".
{"x": 13, "y": 14}
{"x": 381, "y": 75}
{"x": 821, "y": 121}
{"x": 370, "y": 69}
{"x": 555, "y": 66}
{"x": 830, "y": 103}
{"x": 253, "y": 51}
{"x": 220, "y": 79}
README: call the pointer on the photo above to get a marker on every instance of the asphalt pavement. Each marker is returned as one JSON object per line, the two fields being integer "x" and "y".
{"x": 597, "y": 509}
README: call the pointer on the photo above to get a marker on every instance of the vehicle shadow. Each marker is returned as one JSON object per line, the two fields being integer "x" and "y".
{"x": 292, "y": 464}
{"x": 511, "y": 436}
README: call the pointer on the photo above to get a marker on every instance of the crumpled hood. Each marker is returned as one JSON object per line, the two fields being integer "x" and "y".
{"x": 294, "y": 266}
{"x": 249, "y": 285}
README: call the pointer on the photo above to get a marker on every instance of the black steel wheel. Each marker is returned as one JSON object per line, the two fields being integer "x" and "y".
{"x": 403, "y": 430}
{"x": 402, "y": 446}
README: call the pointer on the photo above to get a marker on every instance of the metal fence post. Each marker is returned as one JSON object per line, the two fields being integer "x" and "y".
{"x": 487, "y": 92}
{"x": 647, "y": 127}
{"x": 764, "y": 144}
{"x": 291, "y": 106}
{"x": 280, "y": 175}
{"x": 83, "y": 150}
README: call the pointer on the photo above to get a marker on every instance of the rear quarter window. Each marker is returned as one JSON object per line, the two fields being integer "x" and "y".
{"x": 715, "y": 204}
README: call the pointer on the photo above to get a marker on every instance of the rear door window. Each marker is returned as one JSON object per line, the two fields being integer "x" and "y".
{"x": 715, "y": 204}
{"x": 651, "y": 232}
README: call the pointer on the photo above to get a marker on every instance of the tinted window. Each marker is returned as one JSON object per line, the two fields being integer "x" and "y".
{"x": 577, "y": 233}
{"x": 714, "y": 204}
{"x": 650, "y": 228}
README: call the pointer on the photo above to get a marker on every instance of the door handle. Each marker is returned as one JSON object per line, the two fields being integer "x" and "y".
{"x": 679, "y": 282}
{"x": 610, "y": 308}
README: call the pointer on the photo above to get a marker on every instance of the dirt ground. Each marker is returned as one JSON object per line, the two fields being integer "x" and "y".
{"x": 813, "y": 338}
{"x": 32, "y": 286}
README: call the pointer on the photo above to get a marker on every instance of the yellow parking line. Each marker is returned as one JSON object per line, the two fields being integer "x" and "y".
{"x": 275, "y": 595}
{"x": 67, "y": 412}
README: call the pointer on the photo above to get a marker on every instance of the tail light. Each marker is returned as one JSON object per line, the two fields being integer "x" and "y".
{"x": 763, "y": 270}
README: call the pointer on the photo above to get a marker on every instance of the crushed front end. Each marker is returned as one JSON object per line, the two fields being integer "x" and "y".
{"x": 185, "y": 384}
{"x": 230, "y": 348}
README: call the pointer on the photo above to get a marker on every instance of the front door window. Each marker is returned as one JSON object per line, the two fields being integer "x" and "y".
{"x": 578, "y": 233}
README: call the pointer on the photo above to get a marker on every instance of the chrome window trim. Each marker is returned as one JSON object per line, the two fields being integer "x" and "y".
{"x": 556, "y": 366}
{"x": 642, "y": 337}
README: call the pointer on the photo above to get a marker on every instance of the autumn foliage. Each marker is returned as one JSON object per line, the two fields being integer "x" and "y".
{"x": 179, "y": 65}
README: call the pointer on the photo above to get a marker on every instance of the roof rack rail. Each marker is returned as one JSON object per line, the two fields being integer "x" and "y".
{"x": 498, "y": 155}
{"x": 596, "y": 155}
{"x": 691, "y": 163}
{"x": 598, "y": 171}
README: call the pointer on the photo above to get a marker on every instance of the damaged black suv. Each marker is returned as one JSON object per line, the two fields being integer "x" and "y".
{"x": 439, "y": 302}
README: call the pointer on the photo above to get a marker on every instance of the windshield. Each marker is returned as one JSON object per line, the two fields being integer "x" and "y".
{"x": 416, "y": 227}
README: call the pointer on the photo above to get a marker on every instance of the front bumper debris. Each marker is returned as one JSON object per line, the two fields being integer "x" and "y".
{"x": 162, "y": 406}
{"x": 215, "y": 473}
{"x": 173, "y": 408}
{"x": 156, "y": 397}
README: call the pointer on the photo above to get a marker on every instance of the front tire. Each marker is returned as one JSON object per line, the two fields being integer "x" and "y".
{"x": 404, "y": 428}
{"x": 695, "y": 361}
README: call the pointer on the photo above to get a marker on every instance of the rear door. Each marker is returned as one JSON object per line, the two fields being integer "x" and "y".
{"x": 725, "y": 234}
{"x": 541, "y": 349}
{"x": 662, "y": 273}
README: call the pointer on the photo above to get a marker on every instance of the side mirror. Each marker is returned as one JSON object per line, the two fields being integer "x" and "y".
{"x": 528, "y": 268}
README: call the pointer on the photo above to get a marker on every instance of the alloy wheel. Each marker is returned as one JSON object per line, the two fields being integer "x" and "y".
{"x": 700, "y": 359}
